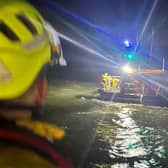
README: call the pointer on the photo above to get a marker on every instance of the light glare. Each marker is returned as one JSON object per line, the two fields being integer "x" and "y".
{"x": 127, "y": 43}
{"x": 127, "y": 69}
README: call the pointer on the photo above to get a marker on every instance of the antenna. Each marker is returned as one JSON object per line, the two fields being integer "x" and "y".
{"x": 163, "y": 64}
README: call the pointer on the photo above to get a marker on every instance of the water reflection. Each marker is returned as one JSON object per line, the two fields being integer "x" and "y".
{"x": 128, "y": 144}
{"x": 133, "y": 146}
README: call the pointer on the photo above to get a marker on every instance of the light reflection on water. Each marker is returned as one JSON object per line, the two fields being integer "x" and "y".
{"x": 128, "y": 138}
{"x": 134, "y": 146}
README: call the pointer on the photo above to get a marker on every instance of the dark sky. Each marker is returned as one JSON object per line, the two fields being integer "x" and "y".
{"x": 125, "y": 17}
{"x": 119, "y": 19}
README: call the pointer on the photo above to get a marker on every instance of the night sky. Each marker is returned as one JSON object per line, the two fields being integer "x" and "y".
{"x": 102, "y": 25}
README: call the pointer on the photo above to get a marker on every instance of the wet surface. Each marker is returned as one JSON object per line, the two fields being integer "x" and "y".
{"x": 106, "y": 134}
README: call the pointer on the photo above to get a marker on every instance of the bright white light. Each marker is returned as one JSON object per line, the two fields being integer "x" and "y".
{"x": 127, "y": 69}
{"x": 127, "y": 43}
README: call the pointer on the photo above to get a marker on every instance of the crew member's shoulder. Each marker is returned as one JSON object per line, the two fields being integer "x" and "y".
{"x": 42, "y": 129}
{"x": 33, "y": 127}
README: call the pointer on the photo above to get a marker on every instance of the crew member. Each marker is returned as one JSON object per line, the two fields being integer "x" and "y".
{"x": 25, "y": 53}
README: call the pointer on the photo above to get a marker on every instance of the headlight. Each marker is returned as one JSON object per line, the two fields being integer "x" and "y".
{"x": 127, "y": 69}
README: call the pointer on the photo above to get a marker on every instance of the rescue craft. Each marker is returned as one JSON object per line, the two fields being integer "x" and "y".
{"x": 129, "y": 87}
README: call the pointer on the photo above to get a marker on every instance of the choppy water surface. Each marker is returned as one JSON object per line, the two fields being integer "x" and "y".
{"x": 141, "y": 137}
{"x": 106, "y": 134}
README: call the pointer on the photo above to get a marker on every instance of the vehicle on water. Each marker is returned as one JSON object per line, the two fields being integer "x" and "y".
{"x": 130, "y": 87}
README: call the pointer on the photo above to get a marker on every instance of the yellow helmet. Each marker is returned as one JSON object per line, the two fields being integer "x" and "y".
{"x": 24, "y": 47}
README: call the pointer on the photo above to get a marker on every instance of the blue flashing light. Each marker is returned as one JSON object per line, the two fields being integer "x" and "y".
{"x": 127, "y": 43}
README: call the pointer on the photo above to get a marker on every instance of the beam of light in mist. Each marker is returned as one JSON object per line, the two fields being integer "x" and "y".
{"x": 98, "y": 64}
{"x": 78, "y": 31}
{"x": 98, "y": 49}
{"x": 78, "y": 44}
{"x": 54, "y": 6}
{"x": 148, "y": 18}
{"x": 90, "y": 50}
